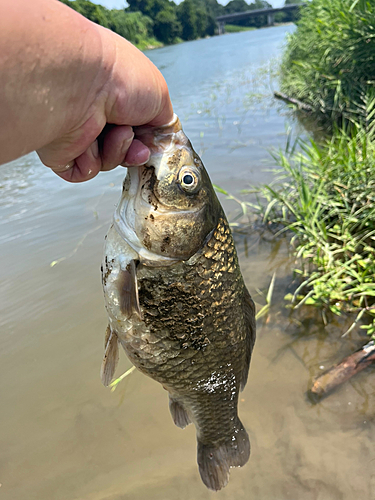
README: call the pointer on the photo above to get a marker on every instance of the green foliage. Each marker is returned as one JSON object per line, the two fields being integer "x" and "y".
{"x": 236, "y": 6}
{"x": 197, "y": 18}
{"x": 188, "y": 16}
{"x": 134, "y": 26}
{"x": 289, "y": 17}
{"x": 330, "y": 60}
{"x": 167, "y": 27}
{"x": 190, "y": 20}
{"x": 325, "y": 196}
{"x": 146, "y": 21}
{"x": 96, "y": 13}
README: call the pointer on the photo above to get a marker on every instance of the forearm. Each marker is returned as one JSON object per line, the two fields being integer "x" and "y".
{"x": 55, "y": 66}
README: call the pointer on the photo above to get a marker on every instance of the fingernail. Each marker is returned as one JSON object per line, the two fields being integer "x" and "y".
{"x": 142, "y": 157}
{"x": 126, "y": 144}
{"x": 63, "y": 168}
{"x": 95, "y": 149}
{"x": 136, "y": 162}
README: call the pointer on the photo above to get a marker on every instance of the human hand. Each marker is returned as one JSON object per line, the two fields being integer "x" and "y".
{"x": 75, "y": 92}
{"x": 127, "y": 91}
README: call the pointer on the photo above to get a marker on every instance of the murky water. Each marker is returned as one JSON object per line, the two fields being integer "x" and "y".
{"x": 63, "y": 436}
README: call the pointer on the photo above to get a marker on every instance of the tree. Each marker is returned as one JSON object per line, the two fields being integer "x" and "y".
{"x": 197, "y": 18}
{"x": 236, "y": 6}
{"x": 96, "y": 13}
{"x": 133, "y": 26}
{"x": 166, "y": 25}
{"x": 164, "y": 15}
{"x": 292, "y": 17}
{"x": 187, "y": 16}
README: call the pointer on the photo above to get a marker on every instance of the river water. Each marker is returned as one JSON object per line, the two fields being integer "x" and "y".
{"x": 63, "y": 436}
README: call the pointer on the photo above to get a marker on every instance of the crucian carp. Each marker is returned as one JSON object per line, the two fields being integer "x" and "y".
{"x": 176, "y": 299}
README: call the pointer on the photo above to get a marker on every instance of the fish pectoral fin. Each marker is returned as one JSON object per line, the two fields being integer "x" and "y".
{"x": 179, "y": 414}
{"x": 110, "y": 358}
{"x": 214, "y": 461}
{"x": 250, "y": 325}
{"x": 129, "y": 300}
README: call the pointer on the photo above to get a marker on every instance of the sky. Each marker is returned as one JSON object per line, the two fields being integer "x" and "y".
{"x": 120, "y": 4}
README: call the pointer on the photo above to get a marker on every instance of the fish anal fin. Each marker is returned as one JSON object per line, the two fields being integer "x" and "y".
{"x": 179, "y": 414}
{"x": 250, "y": 326}
{"x": 128, "y": 290}
{"x": 214, "y": 461}
{"x": 110, "y": 358}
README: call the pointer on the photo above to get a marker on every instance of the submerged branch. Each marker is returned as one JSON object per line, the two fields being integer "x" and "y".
{"x": 291, "y": 100}
{"x": 342, "y": 372}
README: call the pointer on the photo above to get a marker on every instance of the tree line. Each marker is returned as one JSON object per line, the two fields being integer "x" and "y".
{"x": 162, "y": 20}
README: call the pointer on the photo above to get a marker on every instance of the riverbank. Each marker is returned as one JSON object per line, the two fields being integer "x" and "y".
{"x": 149, "y": 44}
{"x": 323, "y": 196}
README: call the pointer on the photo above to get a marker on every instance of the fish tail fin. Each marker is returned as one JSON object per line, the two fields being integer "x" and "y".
{"x": 214, "y": 461}
{"x": 110, "y": 359}
{"x": 179, "y": 414}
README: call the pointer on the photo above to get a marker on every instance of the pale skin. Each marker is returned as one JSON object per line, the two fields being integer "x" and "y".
{"x": 64, "y": 82}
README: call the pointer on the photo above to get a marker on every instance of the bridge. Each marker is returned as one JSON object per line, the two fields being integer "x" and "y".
{"x": 270, "y": 13}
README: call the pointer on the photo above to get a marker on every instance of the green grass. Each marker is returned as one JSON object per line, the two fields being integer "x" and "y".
{"x": 232, "y": 28}
{"x": 324, "y": 197}
{"x": 329, "y": 60}
{"x": 148, "y": 43}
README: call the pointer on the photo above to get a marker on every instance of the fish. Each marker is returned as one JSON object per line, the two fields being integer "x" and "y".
{"x": 176, "y": 300}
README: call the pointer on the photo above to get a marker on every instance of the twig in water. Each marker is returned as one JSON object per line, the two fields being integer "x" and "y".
{"x": 115, "y": 383}
{"x": 291, "y": 100}
{"x": 55, "y": 262}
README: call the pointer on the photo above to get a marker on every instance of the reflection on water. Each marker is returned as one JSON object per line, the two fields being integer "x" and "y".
{"x": 65, "y": 437}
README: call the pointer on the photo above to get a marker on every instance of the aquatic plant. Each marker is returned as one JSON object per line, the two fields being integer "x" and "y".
{"x": 329, "y": 62}
{"x": 324, "y": 197}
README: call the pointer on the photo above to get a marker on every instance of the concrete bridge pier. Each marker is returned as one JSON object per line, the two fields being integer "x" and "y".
{"x": 221, "y": 27}
{"x": 270, "y": 19}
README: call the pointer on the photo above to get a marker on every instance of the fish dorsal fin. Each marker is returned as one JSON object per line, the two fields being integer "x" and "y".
{"x": 111, "y": 356}
{"x": 129, "y": 300}
{"x": 250, "y": 325}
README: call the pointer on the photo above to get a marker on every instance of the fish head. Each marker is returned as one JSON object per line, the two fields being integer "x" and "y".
{"x": 169, "y": 204}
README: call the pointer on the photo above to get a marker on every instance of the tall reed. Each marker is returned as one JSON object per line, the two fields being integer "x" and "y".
{"x": 324, "y": 195}
{"x": 329, "y": 62}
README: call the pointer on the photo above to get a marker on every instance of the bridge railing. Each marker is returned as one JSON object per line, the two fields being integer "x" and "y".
{"x": 237, "y": 16}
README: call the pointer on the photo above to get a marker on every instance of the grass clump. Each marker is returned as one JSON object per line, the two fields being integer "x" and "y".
{"x": 329, "y": 62}
{"x": 325, "y": 197}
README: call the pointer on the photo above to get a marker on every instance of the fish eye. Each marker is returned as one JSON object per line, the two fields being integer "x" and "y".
{"x": 188, "y": 179}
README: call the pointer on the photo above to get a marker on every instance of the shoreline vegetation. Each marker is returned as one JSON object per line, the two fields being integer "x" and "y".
{"x": 150, "y": 24}
{"x": 323, "y": 195}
